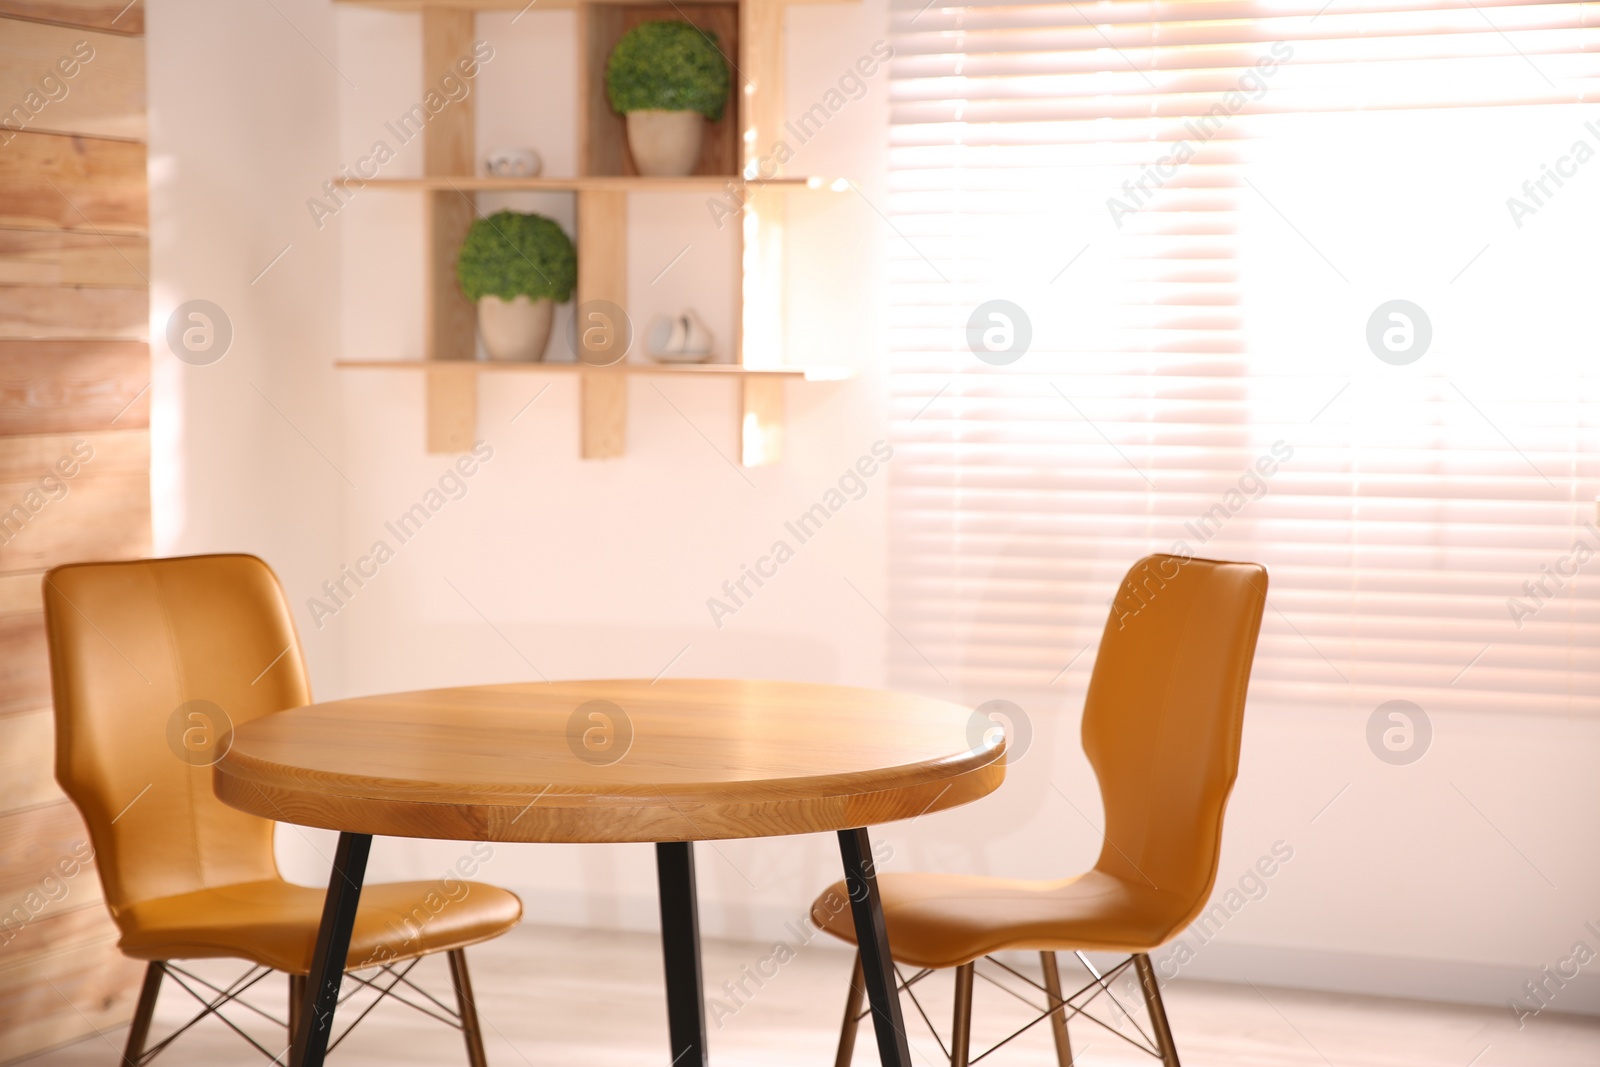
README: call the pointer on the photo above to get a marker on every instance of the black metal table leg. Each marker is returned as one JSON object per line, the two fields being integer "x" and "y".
{"x": 680, "y": 948}
{"x": 333, "y": 946}
{"x": 872, "y": 937}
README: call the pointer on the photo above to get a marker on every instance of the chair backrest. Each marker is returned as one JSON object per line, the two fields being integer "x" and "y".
{"x": 150, "y": 662}
{"x": 1163, "y": 715}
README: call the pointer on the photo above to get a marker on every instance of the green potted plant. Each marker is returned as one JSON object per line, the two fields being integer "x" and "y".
{"x": 516, "y": 267}
{"x": 667, "y": 78}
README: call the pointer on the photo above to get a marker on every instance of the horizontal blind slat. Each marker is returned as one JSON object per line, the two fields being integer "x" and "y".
{"x": 1427, "y": 536}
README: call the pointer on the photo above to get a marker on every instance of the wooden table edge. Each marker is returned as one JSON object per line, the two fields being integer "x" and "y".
{"x": 615, "y": 818}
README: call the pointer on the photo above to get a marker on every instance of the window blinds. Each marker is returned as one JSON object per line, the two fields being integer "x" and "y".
{"x": 1309, "y": 283}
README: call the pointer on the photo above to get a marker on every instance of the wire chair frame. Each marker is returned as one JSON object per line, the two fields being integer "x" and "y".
{"x": 1072, "y": 1006}
{"x": 232, "y": 994}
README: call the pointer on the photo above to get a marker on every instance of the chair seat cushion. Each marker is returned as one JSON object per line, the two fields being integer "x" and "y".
{"x": 945, "y": 920}
{"x": 274, "y": 923}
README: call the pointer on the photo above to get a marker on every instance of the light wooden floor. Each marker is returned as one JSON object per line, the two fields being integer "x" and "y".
{"x": 561, "y": 996}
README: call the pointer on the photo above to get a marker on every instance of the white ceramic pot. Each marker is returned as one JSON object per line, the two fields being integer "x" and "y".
{"x": 665, "y": 144}
{"x": 515, "y": 330}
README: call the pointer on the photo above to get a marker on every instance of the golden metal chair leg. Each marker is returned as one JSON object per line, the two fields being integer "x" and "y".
{"x": 961, "y": 1027}
{"x": 1158, "y": 1014}
{"x": 1058, "y": 1020}
{"x": 297, "y": 1003}
{"x": 852, "y": 1016}
{"x": 139, "y": 1031}
{"x": 467, "y": 1007}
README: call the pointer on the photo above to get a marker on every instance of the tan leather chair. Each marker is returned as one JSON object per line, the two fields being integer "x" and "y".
{"x": 1161, "y": 725}
{"x": 151, "y": 661}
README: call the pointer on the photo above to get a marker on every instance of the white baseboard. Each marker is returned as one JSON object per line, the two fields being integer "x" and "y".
{"x": 1451, "y": 981}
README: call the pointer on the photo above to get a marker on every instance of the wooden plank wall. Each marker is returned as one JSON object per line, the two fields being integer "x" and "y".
{"x": 74, "y": 381}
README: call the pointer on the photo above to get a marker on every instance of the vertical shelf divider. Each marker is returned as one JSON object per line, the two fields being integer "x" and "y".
{"x": 602, "y": 245}
{"x": 602, "y": 276}
{"x": 448, "y": 151}
{"x": 601, "y": 148}
{"x": 761, "y": 305}
{"x": 760, "y": 420}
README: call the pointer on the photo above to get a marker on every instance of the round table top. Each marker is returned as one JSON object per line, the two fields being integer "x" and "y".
{"x": 623, "y": 760}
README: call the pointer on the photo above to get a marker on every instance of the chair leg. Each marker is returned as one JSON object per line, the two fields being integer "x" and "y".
{"x": 1058, "y": 1020}
{"x": 1158, "y": 1014}
{"x": 961, "y": 1025}
{"x": 139, "y": 1031}
{"x": 852, "y": 1016}
{"x": 297, "y": 1003}
{"x": 467, "y": 1007}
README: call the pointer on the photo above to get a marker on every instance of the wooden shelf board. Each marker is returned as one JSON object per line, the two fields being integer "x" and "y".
{"x": 518, "y": 5}
{"x": 512, "y": 5}
{"x": 704, "y": 370}
{"x": 707, "y": 183}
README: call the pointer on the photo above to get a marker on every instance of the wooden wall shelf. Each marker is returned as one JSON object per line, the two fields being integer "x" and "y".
{"x": 751, "y": 33}
{"x": 453, "y": 398}
{"x": 693, "y": 370}
{"x": 514, "y": 5}
{"x": 623, "y": 183}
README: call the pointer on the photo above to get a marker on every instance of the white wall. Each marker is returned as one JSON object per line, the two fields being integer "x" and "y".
{"x": 246, "y": 452}
{"x": 1409, "y": 882}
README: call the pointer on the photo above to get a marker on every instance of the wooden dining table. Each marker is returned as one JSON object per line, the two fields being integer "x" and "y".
{"x": 670, "y": 762}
